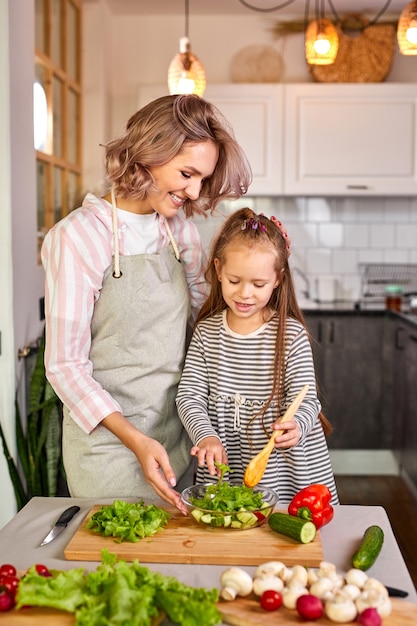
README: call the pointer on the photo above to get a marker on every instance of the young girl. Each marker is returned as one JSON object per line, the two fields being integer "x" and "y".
{"x": 249, "y": 357}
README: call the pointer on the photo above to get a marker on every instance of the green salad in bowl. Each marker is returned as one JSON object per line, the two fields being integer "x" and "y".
{"x": 229, "y": 504}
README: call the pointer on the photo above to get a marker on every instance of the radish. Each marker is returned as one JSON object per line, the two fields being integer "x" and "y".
{"x": 370, "y": 617}
{"x": 309, "y": 606}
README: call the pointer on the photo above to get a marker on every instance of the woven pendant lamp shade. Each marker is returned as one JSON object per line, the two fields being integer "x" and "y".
{"x": 185, "y": 73}
{"x": 407, "y": 29}
{"x": 321, "y": 42}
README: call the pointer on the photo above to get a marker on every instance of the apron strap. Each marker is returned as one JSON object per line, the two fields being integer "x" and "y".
{"x": 116, "y": 269}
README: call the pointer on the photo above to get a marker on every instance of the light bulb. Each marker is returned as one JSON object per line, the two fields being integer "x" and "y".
{"x": 411, "y": 34}
{"x": 321, "y": 46}
{"x": 185, "y": 84}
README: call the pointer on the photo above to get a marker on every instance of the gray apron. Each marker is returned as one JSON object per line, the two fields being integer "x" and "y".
{"x": 138, "y": 345}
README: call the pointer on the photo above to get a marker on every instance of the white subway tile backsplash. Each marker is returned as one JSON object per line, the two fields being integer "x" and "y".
{"x": 356, "y": 235}
{"x": 319, "y": 210}
{"x": 396, "y": 256}
{"x": 331, "y": 235}
{"x": 407, "y": 236}
{"x": 319, "y": 261}
{"x": 371, "y": 210}
{"x": 397, "y": 208}
{"x": 382, "y": 236}
{"x": 371, "y": 256}
{"x": 344, "y": 261}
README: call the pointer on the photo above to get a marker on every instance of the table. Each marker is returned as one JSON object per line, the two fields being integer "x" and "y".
{"x": 20, "y": 543}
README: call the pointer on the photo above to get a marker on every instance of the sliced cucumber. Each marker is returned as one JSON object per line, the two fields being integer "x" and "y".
{"x": 298, "y": 529}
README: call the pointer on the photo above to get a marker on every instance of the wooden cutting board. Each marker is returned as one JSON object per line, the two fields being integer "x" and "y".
{"x": 247, "y": 612}
{"x": 240, "y": 612}
{"x": 37, "y": 616}
{"x": 184, "y": 541}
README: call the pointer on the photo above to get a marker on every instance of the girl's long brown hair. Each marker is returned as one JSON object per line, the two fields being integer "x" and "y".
{"x": 257, "y": 230}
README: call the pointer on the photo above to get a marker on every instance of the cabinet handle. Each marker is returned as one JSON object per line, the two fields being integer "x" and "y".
{"x": 399, "y": 333}
{"x": 357, "y": 186}
{"x": 319, "y": 332}
{"x": 331, "y": 333}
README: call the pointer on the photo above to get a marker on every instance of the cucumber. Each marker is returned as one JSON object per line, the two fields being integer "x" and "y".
{"x": 301, "y": 530}
{"x": 369, "y": 548}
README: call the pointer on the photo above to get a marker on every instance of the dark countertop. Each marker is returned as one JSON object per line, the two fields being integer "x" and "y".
{"x": 347, "y": 309}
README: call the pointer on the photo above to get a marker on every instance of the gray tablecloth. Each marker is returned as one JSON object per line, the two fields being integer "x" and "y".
{"x": 20, "y": 543}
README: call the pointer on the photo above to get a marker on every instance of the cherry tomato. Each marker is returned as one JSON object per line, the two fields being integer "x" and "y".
{"x": 7, "y": 570}
{"x": 11, "y": 583}
{"x": 271, "y": 600}
{"x": 42, "y": 570}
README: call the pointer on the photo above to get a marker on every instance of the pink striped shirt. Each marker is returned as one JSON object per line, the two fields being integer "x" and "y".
{"x": 75, "y": 254}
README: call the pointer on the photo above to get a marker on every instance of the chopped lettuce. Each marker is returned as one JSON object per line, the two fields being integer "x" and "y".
{"x": 128, "y": 522}
{"x": 119, "y": 594}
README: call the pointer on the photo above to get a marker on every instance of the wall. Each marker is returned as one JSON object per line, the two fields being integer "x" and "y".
{"x": 330, "y": 236}
{"x": 21, "y": 277}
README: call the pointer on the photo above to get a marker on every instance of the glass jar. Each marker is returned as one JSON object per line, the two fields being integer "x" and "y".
{"x": 393, "y": 297}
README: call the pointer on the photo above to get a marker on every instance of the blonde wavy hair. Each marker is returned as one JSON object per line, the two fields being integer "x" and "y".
{"x": 158, "y": 132}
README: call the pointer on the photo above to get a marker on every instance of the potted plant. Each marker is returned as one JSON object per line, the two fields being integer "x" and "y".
{"x": 39, "y": 470}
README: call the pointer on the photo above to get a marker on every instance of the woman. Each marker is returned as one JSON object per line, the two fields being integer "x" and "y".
{"x": 123, "y": 274}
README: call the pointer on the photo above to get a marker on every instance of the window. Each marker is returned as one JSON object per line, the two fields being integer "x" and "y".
{"x": 57, "y": 109}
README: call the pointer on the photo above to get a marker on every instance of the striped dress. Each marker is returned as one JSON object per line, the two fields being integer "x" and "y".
{"x": 227, "y": 379}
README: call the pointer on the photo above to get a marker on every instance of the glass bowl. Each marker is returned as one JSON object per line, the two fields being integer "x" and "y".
{"x": 229, "y": 505}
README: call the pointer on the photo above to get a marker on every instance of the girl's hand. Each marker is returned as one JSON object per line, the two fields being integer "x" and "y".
{"x": 209, "y": 450}
{"x": 291, "y": 435}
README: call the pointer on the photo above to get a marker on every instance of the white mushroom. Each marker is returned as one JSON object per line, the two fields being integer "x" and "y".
{"x": 299, "y": 574}
{"x": 312, "y": 576}
{"x": 291, "y": 594}
{"x": 373, "y": 599}
{"x": 263, "y": 583}
{"x": 340, "y": 608}
{"x": 351, "y": 590}
{"x": 356, "y": 577}
{"x": 271, "y": 567}
{"x": 373, "y": 583}
{"x": 235, "y": 582}
{"x": 322, "y": 588}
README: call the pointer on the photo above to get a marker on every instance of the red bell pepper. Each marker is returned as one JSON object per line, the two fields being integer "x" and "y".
{"x": 313, "y": 504}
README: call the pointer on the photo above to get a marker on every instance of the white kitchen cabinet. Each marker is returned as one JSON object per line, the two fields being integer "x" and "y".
{"x": 350, "y": 139}
{"x": 255, "y": 114}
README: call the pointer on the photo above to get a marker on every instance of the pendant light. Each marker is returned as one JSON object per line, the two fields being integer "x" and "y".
{"x": 407, "y": 29}
{"x": 321, "y": 39}
{"x": 185, "y": 73}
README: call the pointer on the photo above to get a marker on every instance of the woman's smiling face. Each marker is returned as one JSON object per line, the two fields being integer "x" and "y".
{"x": 182, "y": 178}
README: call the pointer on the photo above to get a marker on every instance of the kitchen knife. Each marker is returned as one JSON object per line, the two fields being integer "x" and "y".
{"x": 396, "y": 593}
{"x": 61, "y": 524}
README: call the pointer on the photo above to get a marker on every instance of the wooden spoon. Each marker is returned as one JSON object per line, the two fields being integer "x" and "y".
{"x": 256, "y": 468}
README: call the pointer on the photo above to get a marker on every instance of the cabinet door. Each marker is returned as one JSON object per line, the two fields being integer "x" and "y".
{"x": 255, "y": 114}
{"x": 348, "y": 353}
{"x": 409, "y": 456}
{"x": 350, "y": 139}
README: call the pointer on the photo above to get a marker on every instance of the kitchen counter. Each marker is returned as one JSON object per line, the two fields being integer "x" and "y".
{"x": 20, "y": 543}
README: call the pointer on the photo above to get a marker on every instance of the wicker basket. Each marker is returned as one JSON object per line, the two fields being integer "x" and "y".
{"x": 364, "y": 58}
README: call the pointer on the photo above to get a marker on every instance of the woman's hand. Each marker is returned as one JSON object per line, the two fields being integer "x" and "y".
{"x": 157, "y": 470}
{"x": 152, "y": 457}
{"x": 291, "y": 435}
{"x": 209, "y": 451}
